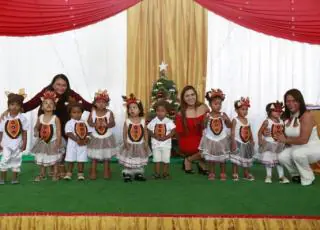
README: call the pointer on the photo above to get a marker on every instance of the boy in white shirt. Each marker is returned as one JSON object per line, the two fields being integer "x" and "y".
{"x": 161, "y": 130}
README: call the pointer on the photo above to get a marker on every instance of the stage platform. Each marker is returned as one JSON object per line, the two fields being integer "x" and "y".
{"x": 184, "y": 202}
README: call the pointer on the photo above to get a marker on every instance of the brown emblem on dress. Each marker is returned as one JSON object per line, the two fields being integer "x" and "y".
{"x": 216, "y": 126}
{"x": 245, "y": 133}
{"x": 101, "y": 125}
{"x": 13, "y": 128}
{"x": 276, "y": 129}
{"x": 135, "y": 132}
{"x": 46, "y": 132}
{"x": 160, "y": 130}
{"x": 81, "y": 130}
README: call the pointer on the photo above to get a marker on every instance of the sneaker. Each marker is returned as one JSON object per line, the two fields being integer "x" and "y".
{"x": 126, "y": 177}
{"x": 80, "y": 176}
{"x": 139, "y": 177}
{"x": 284, "y": 180}
{"x": 296, "y": 179}
{"x": 268, "y": 180}
{"x": 67, "y": 176}
{"x": 156, "y": 176}
{"x": 15, "y": 182}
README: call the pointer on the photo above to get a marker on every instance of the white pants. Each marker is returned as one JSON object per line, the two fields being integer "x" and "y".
{"x": 161, "y": 155}
{"x": 297, "y": 160}
{"x": 11, "y": 159}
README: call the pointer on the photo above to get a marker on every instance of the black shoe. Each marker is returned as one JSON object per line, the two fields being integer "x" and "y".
{"x": 202, "y": 171}
{"x": 126, "y": 177}
{"x": 139, "y": 177}
{"x": 166, "y": 176}
{"x": 296, "y": 179}
{"x": 187, "y": 171}
{"x": 156, "y": 176}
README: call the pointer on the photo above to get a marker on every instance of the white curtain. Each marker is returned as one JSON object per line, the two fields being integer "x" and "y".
{"x": 243, "y": 62}
{"x": 93, "y": 58}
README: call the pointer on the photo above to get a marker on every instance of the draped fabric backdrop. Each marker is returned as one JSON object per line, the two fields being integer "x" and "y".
{"x": 93, "y": 58}
{"x": 291, "y": 19}
{"x": 245, "y": 63}
{"x": 173, "y": 31}
{"x": 31, "y": 18}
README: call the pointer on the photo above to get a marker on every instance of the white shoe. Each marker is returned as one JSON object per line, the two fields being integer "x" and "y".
{"x": 284, "y": 180}
{"x": 268, "y": 180}
{"x": 67, "y": 176}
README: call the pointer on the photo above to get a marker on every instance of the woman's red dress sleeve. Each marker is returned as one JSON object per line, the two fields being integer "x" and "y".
{"x": 86, "y": 105}
{"x": 33, "y": 102}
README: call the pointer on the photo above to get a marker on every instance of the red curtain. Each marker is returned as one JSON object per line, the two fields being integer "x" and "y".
{"x": 297, "y": 20}
{"x": 40, "y": 17}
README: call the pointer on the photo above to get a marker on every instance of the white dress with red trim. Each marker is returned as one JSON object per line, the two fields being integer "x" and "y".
{"x": 243, "y": 155}
{"x": 135, "y": 156}
{"x": 45, "y": 149}
{"x": 215, "y": 143}
{"x": 102, "y": 145}
{"x": 271, "y": 148}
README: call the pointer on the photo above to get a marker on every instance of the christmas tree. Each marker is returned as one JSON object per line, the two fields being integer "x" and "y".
{"x": 164, "y": 89}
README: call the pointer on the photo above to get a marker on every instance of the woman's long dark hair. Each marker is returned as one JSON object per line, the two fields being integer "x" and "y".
{"x": 297, "y": 95}
{"x": 184, "y": 105}
{"x": 60, "y": 106}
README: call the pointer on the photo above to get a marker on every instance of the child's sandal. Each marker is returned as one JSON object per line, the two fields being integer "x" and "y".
{"x": 235, "y": 177}
{"x": 211, "y": 176}
{"x": 249, "y": 177}
{"x": 39, "y": 178}
{"x": 223, "y": 176}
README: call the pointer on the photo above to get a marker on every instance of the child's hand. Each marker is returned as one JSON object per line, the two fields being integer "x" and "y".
{"x": 81, "y": 142}
{"x": 233, "y": 146}
{"x": 262, "y": 142}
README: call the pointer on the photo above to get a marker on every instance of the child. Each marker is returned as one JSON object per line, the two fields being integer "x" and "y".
{"x": 78, "y": 136}
{"x": 13, "y": 137}
{"x": 134, "y": 153}
{"x": 242, "y": 145}
{"x": 161, "y": 130}
{"x": 102, "y": 145}
{"x": 268, "y": 146}
{"x": 48, "y": 128}
{"x": 215, "y": 143}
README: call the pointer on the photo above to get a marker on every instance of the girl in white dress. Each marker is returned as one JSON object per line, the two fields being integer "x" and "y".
{"x": 268, "y": 146}
{"x": 242, "y": 145}
{"x": 102, "y": 145}
{"x": 135, "y": 152}
{"x": 48, "y": 148}
{"x": 215, "y": 143}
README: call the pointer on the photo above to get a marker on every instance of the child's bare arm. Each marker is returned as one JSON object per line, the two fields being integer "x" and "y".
{"x": 58, "y": 131}
{"x": 90, "y": 120}
{"x": 233, "y": 135}
{"x": 24, "y": 140}
{"x": 111, "y": 122}
{"x": 261, "y": 132}
{"x": 227, "y": 120}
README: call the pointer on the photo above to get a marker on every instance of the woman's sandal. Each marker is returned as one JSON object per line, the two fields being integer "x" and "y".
{"x": 187, "y": 171}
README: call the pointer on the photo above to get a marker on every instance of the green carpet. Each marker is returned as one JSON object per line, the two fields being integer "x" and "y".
{"x": 183, "y": 194}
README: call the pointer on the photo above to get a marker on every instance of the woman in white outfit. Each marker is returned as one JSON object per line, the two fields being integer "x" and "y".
{"x": 302, "y": 139}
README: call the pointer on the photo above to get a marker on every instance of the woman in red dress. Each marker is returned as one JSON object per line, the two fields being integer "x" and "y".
{"x": 189, "y": 126}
